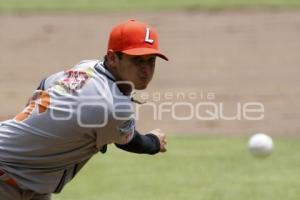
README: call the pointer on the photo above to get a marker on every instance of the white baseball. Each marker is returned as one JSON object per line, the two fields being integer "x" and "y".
{"x": 260, "y": 145}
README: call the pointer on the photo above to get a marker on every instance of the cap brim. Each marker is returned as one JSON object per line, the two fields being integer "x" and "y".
{"x": 144, "y": 51}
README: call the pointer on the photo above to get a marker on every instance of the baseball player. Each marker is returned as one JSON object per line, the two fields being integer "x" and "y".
{"x": 76, "y": 113}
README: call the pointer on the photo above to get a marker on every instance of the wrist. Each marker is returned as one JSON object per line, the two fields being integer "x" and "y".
{"x": 156, "y": 141}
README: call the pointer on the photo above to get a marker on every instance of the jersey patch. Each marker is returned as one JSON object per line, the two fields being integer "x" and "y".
{"x": 74, "y": 80}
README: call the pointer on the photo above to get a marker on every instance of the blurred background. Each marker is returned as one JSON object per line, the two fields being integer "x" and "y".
{"x": 240, "y": 51}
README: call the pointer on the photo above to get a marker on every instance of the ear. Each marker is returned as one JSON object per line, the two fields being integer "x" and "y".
{"x": 111, "y": 58}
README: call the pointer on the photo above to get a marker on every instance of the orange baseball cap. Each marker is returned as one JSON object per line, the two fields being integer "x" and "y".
{"x": 134, "y": 38}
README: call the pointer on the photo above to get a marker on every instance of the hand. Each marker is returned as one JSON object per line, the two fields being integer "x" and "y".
{"x": 162, "y": 139}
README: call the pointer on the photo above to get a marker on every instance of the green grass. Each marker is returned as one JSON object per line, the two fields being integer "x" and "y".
{"x": 194, "y": 168}
{"x": 116, "y": 5}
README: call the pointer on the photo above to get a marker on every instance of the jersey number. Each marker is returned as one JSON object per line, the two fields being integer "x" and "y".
{"x": 40, "y": 99}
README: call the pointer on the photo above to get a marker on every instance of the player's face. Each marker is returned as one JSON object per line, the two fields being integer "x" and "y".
{"x": 138, "y": 70}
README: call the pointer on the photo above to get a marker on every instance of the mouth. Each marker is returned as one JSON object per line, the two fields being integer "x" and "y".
{"x": 144, "y": 78}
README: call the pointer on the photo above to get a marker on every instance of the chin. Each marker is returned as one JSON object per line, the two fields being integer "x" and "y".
{"x": 141, "y": 87}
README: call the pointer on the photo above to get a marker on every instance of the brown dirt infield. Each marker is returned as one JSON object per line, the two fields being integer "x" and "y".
{"x": 250, "y": 56}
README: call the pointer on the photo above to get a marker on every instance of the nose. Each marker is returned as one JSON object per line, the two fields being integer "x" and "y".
{"x": 146, "y": 70}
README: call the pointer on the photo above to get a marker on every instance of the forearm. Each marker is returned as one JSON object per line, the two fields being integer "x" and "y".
{"x": 142, "y": 144}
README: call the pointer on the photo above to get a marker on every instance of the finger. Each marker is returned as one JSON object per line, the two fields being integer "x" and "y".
{"x": 163, "y": 150}
{"x": 163, "y": 147}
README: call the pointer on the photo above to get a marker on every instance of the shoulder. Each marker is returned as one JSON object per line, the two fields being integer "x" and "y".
{"x": 85, "y": 64}
{"x": 75, "y": 75}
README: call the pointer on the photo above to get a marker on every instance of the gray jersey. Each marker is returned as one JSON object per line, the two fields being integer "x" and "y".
{"x": 69, "y": 119}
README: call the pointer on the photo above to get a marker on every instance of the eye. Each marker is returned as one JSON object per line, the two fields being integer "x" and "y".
{"x": 151, "y": 61}
{"x": 140, "y": 61}
{"x": 137, "y": 60}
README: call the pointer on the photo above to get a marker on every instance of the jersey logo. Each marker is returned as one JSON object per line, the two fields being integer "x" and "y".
{"x": 147, "y": 36}
{"x": 39, "y": 100}
{"x": 127, "y": 129}
{"x": 74, "y": 80}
